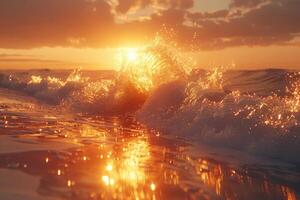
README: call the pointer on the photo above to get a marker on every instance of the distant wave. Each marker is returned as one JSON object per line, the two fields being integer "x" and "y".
{"x": 51, "y": 89}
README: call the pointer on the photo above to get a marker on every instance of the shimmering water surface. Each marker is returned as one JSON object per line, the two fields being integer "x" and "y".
{"x": 48, "y": 154}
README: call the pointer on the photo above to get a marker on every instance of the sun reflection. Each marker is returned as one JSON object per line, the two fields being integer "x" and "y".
{"x": 288, "y": 193}
{"x": 70, "y": 183}
{"x": 130, "y": 166}
{"x": 129, "y": 169}
{"x": 133, "y": 165}
{"x": 152, "y": 186}
{"x": 109, "y": 167}
{"x": 135, "y": 156}
{"x": 125, "y": 171}
{"x": 108, "y": 180}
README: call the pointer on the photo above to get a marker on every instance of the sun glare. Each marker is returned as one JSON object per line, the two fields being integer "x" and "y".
{"x": 132, "y": 55}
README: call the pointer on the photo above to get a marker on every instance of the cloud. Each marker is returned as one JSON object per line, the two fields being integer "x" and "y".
{"x": 6, "y": 55}
{"x": 247, "y": 3}
{"x": 125, "y": 5}
{"x": 5, "y": 58}
{"x": 92, "y": 23}
{"x": 274, "y": 23}
{"x": 28, "y": 23}
{"x": 23, "y": 60}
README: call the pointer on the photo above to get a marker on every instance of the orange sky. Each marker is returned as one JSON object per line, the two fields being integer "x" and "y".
{"x": 89, "y": 33}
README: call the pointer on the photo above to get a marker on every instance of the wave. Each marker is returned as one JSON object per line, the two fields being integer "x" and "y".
{"x": 254, "y": 111}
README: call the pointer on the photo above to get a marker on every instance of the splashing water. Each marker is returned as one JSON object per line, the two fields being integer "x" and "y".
{"x": 35, "y": 80}
{"x": 141, "y": 71}
{"x": 203, "y": 109}
{"x": 275, "y": 111}
{"x": 153, "y": 65}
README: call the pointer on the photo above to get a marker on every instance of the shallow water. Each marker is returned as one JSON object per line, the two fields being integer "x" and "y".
{"x": 46, "y": 153}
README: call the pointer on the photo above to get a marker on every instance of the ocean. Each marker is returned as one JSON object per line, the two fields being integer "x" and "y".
{"x": 165, "y": 134}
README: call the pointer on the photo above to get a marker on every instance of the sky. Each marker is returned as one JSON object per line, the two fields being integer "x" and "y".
{"x": 63, "y": 34}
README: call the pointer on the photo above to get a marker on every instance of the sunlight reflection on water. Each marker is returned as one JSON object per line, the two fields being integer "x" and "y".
{"x": 120, "y": 159}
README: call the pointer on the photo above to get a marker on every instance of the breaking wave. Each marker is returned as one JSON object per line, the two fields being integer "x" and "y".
{"x": 245, "y": 116}
{"x": 253, "y": 111}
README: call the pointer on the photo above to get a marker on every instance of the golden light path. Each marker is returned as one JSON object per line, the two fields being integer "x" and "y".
{"x": 122, "y": 160}
{"x": 132, "y": 168}
{"x": 129, "y": 172}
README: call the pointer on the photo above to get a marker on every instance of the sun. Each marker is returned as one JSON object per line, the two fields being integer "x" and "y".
{"x": 132, "y": 55}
